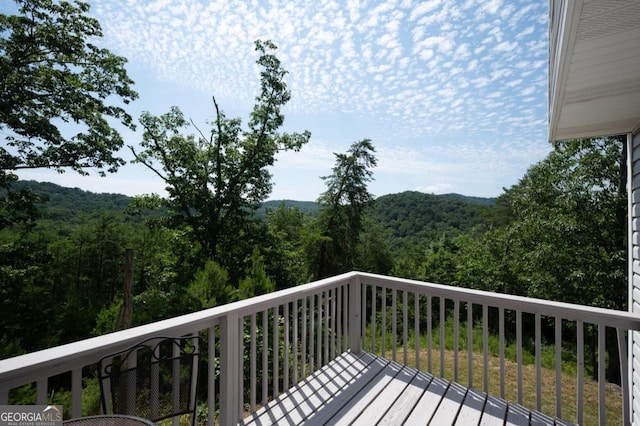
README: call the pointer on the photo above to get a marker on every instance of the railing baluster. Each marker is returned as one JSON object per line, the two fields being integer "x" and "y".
{"x": 519, "y": 353}
{"x": 327, "y": 304}
{"x": 580, "y": 373}
{"x": 211, "y": 376}
{"x": 558, "y": 343}
{"x": 265, "y": 356}
{"x": 456, "y": 323}
{"x": 41, "y": 391}
{"x": 364, "y": 317}
{"x": 312, "y": 333}
{"x": 442, "y": 318}
{"x": 304, "y": 337}
{"x": 338, "y": 314}
{"x": 485, "y": 347}
{"x": 285, "y": 354}
{"x": 374, "y": 290}
{"x": 319, "y": 331}
{"x": 538, "y": 355}
{"x": 429, "y": 332}
{"x": 355, "y": 314}
{"x": 275, "y": 362}
{"x": 501, "y": 333}
{"x": 416, "y": 327}
{"x": 601, "y": 374}
{"x": 394, "y": 323}
{"x": 252, "y": 360}
{"x": 294, "y": 340}
{"x": 470, "y": 342}
{"x": 332, "y": 349}
{"x": 405, "y": 325}
{"x": 345, "y": 317}
{"x": 383, "y": 327}
{"x": 624, "y": 378}
{"x": 175, "y": 391}
{"x": 76, "y": 392}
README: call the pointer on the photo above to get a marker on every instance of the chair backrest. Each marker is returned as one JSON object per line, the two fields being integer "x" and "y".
{"x": 155, "y": 379}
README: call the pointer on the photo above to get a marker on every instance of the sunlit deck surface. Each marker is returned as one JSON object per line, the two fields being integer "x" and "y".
{"x": 368, "y": 390}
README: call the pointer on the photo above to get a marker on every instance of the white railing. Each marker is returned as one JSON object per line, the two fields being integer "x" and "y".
{"x": 276, "y": 340}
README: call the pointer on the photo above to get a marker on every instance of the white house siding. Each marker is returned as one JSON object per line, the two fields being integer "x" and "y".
{"x": 634, "y": 273}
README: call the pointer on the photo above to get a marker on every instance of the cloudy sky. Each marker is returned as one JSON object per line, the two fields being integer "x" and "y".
{"x": 453, "y": 94}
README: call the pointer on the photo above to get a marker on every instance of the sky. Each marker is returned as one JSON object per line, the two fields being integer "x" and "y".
{"x": 452, "y": 94}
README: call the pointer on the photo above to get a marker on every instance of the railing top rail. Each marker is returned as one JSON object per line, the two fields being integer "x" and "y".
{"x": 567, "y": 311}
{"x": 48, "y": 362}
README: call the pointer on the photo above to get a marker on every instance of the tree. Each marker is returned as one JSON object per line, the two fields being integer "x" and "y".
{"x": 563, "y": 233}
{"x": 216, "y": 181}
{"x": 334, "y": 248}
{"x": 52, "y": 74}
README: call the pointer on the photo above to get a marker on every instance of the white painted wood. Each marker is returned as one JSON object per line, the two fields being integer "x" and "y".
{"x": 295, "y": 340}
{"x": 485, "y": 347}
{"x": 355, "y": 314}
{"x": 285, "y": 354}
{"x": 265, "y": 356}
{"x": 76, "y": 393}
{"x": 494, "y": 412}
{"x": 519, "y": 353}
{"x": 275, "y": 348}
{"x": 442, "y": 340}
{"x": 601, "y": 375}
{"x": 472, "y": 407}
{"x": 352, "y": 409}
{"x": 456, "y": 334}
{"x": 558, "y": 350}
{"x": 580, "y": 372}
{"x": 405, "y": 326}
{"x": 470, "y": 344}
{"x": 517, "y": 415}
{"x": 394, "y": 323}
{"x": 429, "y": 333}
{"x": 383, "y": 325}
{"x": 211, "y": 369}
{"x": 309, "y": 396}
{"x": 380, "y": 405}
{"x": 429, "y": 402}
{"x": 357, "y": 389}
{"x": 252, "y": 362}
{"x": 416, "y": 328}
{"x": 373, "y": 320}
{"x": 540, "y": 419}
{"x": 405, "y": 402}
{"x": 449, "y": 405}
{"x": 538, "y": 344}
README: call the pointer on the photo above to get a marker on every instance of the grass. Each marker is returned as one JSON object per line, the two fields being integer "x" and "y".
{"x": 613, "y": 393}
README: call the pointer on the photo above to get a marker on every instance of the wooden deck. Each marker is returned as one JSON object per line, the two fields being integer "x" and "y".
{"x": 367, "y": 390}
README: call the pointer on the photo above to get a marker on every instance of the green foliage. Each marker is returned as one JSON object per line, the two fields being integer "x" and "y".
{"x": 256, "y": 281}
{"x": 332, "y": 246}
{"x": 210, "y": 286}
{"x": 216, "y": 181}
{"x": 412, "y": 217}
{"x": 50, "y": 71}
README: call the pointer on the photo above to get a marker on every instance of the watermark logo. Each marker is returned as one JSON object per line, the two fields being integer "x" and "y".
{"x": 30, "y": 415}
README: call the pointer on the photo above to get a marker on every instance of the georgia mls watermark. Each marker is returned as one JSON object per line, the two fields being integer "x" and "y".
{"x": 30, "y": 415}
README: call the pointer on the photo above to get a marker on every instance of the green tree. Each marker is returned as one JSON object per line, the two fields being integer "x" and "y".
{"x": 216, "y": 181}
{"x": 52, "y": 73}
{"x": 332, "y": 247}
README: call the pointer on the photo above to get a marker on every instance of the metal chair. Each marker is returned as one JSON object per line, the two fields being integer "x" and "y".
{"x": 156, "y": 379}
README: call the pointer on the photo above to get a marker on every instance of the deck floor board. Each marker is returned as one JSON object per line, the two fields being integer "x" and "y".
{"x": 367, "y": 390}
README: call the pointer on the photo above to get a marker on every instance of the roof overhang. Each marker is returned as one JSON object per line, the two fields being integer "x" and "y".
{"x": 594, "y": 68}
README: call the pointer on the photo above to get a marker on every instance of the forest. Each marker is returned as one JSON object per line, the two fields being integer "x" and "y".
{"x": 559, "y": 233}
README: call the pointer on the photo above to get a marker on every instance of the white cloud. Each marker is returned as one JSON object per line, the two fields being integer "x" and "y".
{"x": 421, "y": 70}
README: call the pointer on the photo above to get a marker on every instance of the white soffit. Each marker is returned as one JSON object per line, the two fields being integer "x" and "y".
{"x": 595, "y": 78}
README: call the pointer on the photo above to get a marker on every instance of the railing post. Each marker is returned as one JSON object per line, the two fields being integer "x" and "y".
{"x": 229, "y": 369}
{"x": 355, "y": 314}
